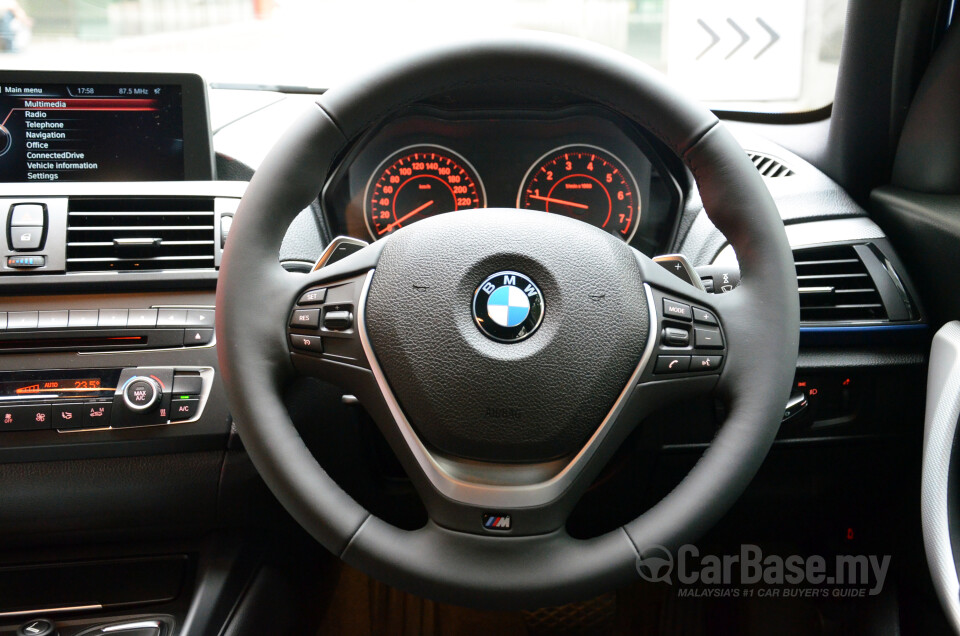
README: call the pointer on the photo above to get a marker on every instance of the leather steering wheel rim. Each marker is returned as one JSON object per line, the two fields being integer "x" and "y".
{"x": 255, "y": 294}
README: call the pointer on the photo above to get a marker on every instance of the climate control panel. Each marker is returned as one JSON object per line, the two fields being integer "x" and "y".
{"x": 69, "y": 400}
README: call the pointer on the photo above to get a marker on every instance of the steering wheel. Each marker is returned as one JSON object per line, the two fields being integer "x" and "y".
{"x": 505, "y": 354}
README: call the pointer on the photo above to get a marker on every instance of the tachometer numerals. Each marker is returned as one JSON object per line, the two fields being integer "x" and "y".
{"x": 417, "y": 182}
{"x": 585, "y": 183}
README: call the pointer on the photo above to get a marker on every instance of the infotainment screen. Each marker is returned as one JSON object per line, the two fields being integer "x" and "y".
{"x": 102, "y": 127}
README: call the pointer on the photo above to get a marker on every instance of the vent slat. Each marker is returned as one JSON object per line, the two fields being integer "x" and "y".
{"x": 835, "y": 286}
{"x": 159, "y": 213}
{"x": 140, "y": 233}
{"x": 111, "y": 259}
{"x": 768, "y": 166}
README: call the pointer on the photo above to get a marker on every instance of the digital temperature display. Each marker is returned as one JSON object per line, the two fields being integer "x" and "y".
{"x": 54, "y": 385}
{"x": 82, "y": 385}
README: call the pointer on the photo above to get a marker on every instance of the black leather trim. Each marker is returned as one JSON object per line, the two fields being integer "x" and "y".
{"x": 928, "y": 155}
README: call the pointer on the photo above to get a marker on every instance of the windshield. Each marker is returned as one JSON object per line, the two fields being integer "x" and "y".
{"x": 733, "y": 54}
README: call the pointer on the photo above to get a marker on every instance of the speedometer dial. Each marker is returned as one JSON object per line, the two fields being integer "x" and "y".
{"x": 586, "y": 183}
{"x": 417, "y": 182}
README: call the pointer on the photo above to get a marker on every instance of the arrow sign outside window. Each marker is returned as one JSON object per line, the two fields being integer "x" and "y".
{"x": 738, "y": 50}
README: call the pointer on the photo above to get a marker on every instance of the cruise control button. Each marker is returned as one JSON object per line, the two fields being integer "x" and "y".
{"x": 307, "y": 343}
{"x": 705, "y": 363}
{"x": 673, "y": 337}
{"x": 707, "y": 338}
{"x": 305, "y": 319}
{"x": 672, "y": 364}
{"x": 184, "y": 409}
{"x": 197, "y": 337}
{"x": 673, "y": 309}
{"x": 704, "y": 316}
{"x": 68, "y": 415}
{"x": 25, "y": 238}
{"x": 313, "y": 296}
{"x": 337, "y": 320}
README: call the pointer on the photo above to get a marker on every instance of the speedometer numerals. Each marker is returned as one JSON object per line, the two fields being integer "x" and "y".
{"x": 417, "y": 182}
{"x": 586, "y": 183}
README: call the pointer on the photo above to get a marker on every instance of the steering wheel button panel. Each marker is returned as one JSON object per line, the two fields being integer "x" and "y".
{"x": 674, "y": 309}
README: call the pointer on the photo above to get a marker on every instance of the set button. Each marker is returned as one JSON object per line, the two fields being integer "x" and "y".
{"x": 313, "y": 296}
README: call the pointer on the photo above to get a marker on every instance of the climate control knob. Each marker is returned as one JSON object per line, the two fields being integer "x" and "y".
{"x": 141, "y": 393}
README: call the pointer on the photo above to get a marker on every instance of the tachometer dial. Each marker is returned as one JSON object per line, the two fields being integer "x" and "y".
{"x": 586, "y": 183}
{"x": 417, "y": 182}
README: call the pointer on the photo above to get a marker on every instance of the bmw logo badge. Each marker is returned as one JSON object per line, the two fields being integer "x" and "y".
{"x": 508, "y": 306}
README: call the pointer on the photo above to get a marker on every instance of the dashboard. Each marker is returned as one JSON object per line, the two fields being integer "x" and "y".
{"x": 109, "y": 367}
{"x": 584, "y": 163}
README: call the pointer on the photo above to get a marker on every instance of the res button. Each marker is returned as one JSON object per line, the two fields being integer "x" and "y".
{"x": 305, "y": 319}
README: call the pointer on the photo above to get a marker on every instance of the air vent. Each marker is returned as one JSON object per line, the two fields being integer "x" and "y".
{"x": 140, "y": 234}
{"x": 767, "y": 166}
{"x": 835, "y": 286}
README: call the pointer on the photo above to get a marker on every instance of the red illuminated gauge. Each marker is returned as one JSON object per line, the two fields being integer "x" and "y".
{"x": 417, "y": 182}
{"x": 586, "y": 183}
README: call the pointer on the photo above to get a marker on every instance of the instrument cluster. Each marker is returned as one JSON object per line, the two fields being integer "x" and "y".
{"x": 582, "y": 163}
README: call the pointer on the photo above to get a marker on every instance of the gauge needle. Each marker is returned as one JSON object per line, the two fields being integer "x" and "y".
{"x": 406, "y": 216}
{"x": 560, "y": 201}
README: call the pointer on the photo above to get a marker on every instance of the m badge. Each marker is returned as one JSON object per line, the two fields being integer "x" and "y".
{"x": 496, "y": 522}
